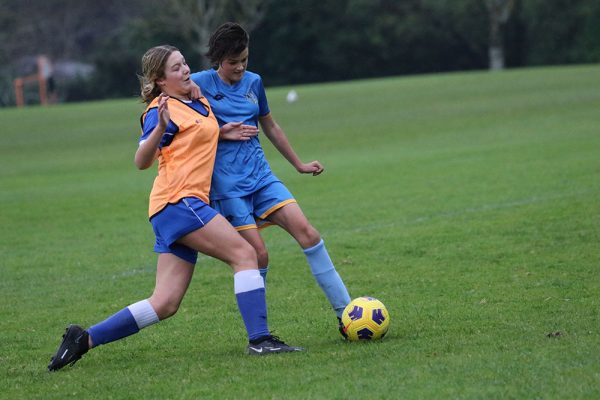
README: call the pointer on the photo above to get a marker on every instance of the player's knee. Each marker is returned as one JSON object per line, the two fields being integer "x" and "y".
{"x": 308, "y": 236}
{"x": 262, "y": 256}
{"x": 263, "y": 260}
{"x": 168, "y": 310}
{"x": 165, "y": 308}
{"x": 243, "y": 254}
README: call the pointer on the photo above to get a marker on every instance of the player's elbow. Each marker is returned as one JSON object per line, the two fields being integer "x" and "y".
{"x": 142, "y": 164}
{"x": 142, "y": 167}
{"x": 143, "y": 160}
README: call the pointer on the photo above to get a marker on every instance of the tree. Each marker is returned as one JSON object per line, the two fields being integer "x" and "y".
{"x": 305, "y": 41}
{"x": 197, "y": 19}
{"x": 499, "y": 12}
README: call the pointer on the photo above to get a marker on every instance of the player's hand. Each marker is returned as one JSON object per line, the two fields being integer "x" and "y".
{"x": 313, "y": 167}
{"x": 237, "y": 131}
{"x": 164, "y": 116}
{"x": 195, "y": 92}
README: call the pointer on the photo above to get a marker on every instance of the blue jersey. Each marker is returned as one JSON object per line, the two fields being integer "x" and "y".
{"x": 240, "y": 167}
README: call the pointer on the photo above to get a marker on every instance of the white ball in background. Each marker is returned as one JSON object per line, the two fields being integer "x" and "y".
{"x": 292, "y": 96}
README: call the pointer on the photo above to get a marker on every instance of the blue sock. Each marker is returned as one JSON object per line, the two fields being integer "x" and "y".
{"x": 249, "y": 290}
{"x": 124, "y": 323}
{"x": 263, "y": 272}
{"x": 327, "y": 277}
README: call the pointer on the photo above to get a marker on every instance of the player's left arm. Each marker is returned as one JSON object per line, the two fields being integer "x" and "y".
{"x": 273, "y": 131}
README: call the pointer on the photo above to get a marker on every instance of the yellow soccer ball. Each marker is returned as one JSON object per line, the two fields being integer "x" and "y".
{"x": 365, "y": 318}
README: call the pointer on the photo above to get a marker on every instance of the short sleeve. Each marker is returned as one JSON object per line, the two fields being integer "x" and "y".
{"x": 263, "y": 104}
{"x": 150, "y": 122}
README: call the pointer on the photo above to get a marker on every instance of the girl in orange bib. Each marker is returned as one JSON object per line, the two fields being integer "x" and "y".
{"x": 182, "y": 135}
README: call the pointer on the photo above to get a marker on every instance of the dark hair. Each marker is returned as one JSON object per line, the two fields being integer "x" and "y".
{"x": 153, "y": 68}
{"x": 230, "y": 39}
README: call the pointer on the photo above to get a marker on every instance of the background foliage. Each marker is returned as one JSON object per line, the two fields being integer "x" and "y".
{"x": 296, "y": 41}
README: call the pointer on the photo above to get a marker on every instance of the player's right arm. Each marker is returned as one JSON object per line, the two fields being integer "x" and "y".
{"x": 148, "y": 149}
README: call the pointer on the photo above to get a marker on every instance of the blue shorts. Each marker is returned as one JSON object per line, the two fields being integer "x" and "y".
{"x": 251, "y": 211}
{"x": 177, "y": 220}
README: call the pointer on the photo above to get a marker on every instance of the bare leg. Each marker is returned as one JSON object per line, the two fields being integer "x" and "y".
{"x": 220, "y": 240}
{"x": 291, "y": 218}
{"x": 253, "y": 237}
{"x": 173, "y": 276}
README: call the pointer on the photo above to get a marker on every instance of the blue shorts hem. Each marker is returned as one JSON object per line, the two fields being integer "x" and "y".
{"x": 246, "y": 212}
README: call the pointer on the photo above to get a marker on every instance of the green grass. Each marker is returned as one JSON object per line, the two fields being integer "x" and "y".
{"x": 468, "y": 203}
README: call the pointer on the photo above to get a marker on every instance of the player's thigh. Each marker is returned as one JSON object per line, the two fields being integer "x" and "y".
{"x": 220, "y": 240}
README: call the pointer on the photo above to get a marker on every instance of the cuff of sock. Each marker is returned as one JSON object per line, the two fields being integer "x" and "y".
{"x": 143, "y": 313}
{"x": 315, "y": 248}
{"x": 247, "y": 280}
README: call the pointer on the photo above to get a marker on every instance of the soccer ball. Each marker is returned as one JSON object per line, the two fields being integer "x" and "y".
{"x": 292, "y": 96}
{"x": 365, "y": 318}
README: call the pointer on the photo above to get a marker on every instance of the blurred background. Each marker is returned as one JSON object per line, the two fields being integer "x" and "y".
{"x": 74, "y": 50}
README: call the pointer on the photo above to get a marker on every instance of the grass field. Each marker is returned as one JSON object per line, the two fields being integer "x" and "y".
{"x": 468, "y": 203}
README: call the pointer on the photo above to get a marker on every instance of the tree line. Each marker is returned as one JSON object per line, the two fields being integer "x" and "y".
{"x": 293, "y": 41}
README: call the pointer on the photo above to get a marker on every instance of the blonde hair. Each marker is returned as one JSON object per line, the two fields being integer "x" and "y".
{"x": 153, "y": 68}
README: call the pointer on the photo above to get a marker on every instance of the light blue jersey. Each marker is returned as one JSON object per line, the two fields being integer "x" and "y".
{"x": 240, "y": 167}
